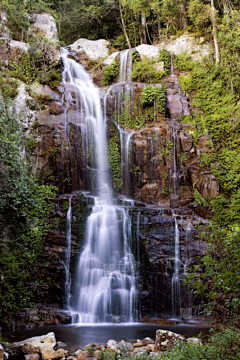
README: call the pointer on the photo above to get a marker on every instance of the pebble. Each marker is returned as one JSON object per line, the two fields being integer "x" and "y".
{"x": 63, "y": 352}
{"x": 138, "y": 344}
{"x": 84, "y": 355}
{"x": 32, "y": 357}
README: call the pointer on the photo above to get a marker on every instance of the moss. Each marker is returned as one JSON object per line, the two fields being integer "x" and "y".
{"x": 114, "y": 159}
{"x": 111, "y": 73}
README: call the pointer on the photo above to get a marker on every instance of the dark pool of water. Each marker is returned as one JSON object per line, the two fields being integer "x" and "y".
{"x": 77, "y": 336}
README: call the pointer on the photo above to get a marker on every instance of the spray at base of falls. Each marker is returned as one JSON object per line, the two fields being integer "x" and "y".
{"x": 176, "y": 294}
{"x": 106, "y": 269}
{"x": 68, "y": 281}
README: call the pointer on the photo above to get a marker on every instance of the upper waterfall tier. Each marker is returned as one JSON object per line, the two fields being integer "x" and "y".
{"x": 90, "y": 116}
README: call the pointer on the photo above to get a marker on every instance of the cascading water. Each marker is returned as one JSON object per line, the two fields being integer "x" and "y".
{"x": 105, "y": 285}
{"x": 186, "y": 310}
{"x": 126, "y": 65}
{"x": 175, "y": 175}
{"x": 176, "y": 294}
{"x": 68, "y": 281}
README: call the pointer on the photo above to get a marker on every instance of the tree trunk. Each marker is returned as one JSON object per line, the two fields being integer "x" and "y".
{"x": 143, "y": 34}
{"x": 214, "y": 26}
{"x": 123, "y": 25}
{"x": 159, "y": 25}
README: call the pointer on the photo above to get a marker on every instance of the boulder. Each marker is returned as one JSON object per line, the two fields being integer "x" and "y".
{"x": 101, "y": 347}
{"x": 32, "y": 357}
{"x": 189, "y": 45}
{"x": 97, "y": 354}
{"x": 44, "y": 24}
{"x": 165, "y": 340}
{"x": 148, "y": 341}
{"x": 124, "y": 346}
{"x": 93, "y": 49}
{"x": 1, "y": 352}
{"x": 186, "y": 141}
{"x": 109, "y": 60}
{"x": 22, "y": 109}
{"x": 138, "y": 344}
{"x": 36, "y": 344}
{"x": 207, "y": 185}
{"x": 151, "y": 347}
{"x": 148, "y": 51}
{"x": 62, "y": 352}
{"x": 112, "y": 346}
{"x": 84, "y": 355}
{"x": 51, "y": 354}
{"x": 159, "y": 66}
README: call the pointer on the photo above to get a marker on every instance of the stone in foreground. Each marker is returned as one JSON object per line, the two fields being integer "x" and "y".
{"x": 165, "y": 340}
{"x": 36, "y": 344}
{"x": 32, "y": 357}
{"x": 51, "y": 354}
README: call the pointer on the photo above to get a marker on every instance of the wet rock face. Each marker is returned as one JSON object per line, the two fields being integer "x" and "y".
{"x": 153, "y": 245}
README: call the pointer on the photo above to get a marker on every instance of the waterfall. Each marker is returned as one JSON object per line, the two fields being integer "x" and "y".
{"x": 105, "y": 289}
{"x": 126, "y": 65}
{"x": 125, "y": 141}
{"x": 175, "y": 175}
{"x": 186, "y": 310}
{"x": 176, "y": 295}
{"x": 68, "y": 255}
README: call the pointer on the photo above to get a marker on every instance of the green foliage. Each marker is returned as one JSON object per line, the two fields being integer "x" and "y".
{"x": 24, "y": 207}
{"x": 143, "y": 71}
{"x": 24, "y": 71}
{"x": 222, "y": 345}
{"x": 135, "y": 56}
{"x": 111, "y": 73}
{"x": 199, "y": 199}
{"x": 152, "y": 93}
{"x": 183, "y": 62}
{"x": 30, "y": 142}
{"x": 165, "y": 56}
{"x": 218, "y": 278}
{"x": 8, "y": 85}
{"x": 114, "y": 159}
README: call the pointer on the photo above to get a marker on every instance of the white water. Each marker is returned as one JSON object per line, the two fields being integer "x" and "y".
{"x": 105, "y": 285}
{"x": 186, "y": 310}
{"x": 176, "y": 295}
{"x": 68, "y": 281}
{"x": 126, "y": 65}
{"x": 175, "y": 175}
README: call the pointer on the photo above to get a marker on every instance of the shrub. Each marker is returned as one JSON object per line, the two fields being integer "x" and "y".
{"x": 111, "y": 73}
{"x": 165, "y": 56}
{"x": 150, "y": 94}
{"x": 143, "y": 71}
{"x": 183, "y": 62}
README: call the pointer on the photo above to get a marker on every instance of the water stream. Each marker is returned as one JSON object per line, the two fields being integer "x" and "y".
{"x": 68, "y": 281}
{"x": 176, "y": 294}
{"x": 105, "y": 285}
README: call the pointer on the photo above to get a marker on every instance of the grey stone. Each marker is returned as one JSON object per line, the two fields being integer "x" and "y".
{"x": 36, "y": 344}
